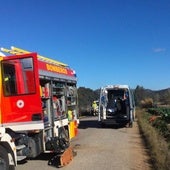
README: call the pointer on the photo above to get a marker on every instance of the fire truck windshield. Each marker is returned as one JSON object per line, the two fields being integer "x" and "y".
{"x": 18, "y": 76}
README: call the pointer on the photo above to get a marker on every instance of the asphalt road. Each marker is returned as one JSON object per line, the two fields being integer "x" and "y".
{"x": 97, "y": 148}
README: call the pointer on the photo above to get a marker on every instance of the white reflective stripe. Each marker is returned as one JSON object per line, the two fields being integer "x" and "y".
{"x": 2, "y": 131}
{"x": 60, "y": 123}
{"x": 18, "y": 126}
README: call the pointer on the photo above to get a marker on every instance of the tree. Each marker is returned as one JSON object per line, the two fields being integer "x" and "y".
{"x": 139, "y": 94}
{"x": 85, "y": 98}
{"x": 147, "y": 103}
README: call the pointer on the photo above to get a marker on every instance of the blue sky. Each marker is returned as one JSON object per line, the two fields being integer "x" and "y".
{"x": 105, "y": 41}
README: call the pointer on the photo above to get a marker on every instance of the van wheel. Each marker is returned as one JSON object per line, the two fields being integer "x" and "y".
{"x": 103, "y": 125}
{"x": 130, "y": 124}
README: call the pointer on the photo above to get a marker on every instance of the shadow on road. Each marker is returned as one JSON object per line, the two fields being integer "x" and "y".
{"x": 91, "y": 122}
{"x": 85, "y": 123}
{"x": 43, "y": 156}
{"x": 48, "y": 157}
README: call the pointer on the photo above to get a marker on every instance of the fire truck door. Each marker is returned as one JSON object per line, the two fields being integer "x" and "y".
{"x": 20, "y": 98}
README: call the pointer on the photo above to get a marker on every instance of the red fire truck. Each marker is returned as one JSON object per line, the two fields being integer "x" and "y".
{"x": 38, "y": 108}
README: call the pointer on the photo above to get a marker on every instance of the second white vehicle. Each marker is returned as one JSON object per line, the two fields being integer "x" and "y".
{"x": 116, "y": 105}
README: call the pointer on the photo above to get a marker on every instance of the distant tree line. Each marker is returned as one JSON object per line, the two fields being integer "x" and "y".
{"x": 85, "y": 98}
{"x": 143, "y": 97}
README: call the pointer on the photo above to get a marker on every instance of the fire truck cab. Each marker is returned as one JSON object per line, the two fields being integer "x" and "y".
{"x": 38, "y": 107}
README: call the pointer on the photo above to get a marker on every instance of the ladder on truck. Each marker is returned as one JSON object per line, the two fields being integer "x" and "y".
{"x": 17, "y": 51}
{"x": 64, "y": 158}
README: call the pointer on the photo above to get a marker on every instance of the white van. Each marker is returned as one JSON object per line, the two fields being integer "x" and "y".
{"x": 116, "y": 105}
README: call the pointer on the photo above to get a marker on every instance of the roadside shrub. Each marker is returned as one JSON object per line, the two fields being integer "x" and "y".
{"x": 161, "y": 125}
{"x": 161, "y": 111}
{"x": 157, "y": 145}
{"x": 160, "y": 119}
{"x": 147, "y": 103}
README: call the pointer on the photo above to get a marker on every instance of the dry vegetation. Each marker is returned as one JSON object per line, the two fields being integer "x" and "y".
{"x": 158, "y": 146}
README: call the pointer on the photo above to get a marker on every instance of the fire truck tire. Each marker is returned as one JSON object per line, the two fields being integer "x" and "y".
{"x": 4, "y": 161}
{"x": 64, "y": 134}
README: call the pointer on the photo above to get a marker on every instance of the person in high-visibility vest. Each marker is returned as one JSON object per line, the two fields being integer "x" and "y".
{"x": 94, "y": 108}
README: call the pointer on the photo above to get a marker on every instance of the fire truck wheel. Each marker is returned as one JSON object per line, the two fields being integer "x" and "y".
{"x": 64, "y": 136}
{"x": 4, "y": 162}
{"x": 64, "y": 133}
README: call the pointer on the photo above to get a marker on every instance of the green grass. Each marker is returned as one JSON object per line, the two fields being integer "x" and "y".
{"x": 155, "y": 142}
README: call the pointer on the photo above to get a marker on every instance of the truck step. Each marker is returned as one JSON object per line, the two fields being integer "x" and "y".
{"x": 20, "y": 158}
{"x": 19, "y": 147}
{"x": 62, "y": 159}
